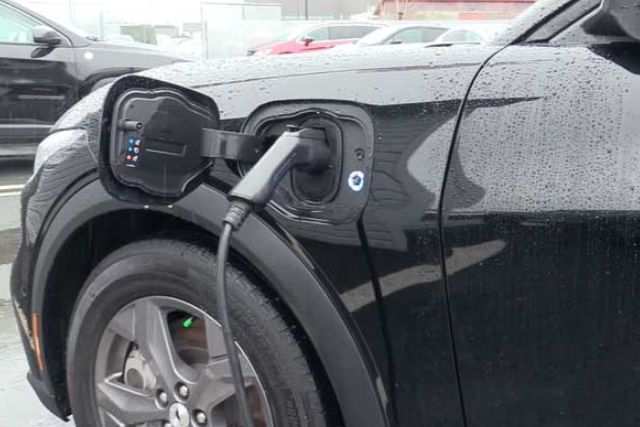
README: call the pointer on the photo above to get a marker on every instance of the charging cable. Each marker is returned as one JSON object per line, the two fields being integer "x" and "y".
{"x": 301, "y": 148}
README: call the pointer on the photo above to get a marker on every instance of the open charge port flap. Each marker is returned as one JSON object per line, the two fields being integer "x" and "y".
{"x": 151, "y": 140}
{"x": 160, "y": 157}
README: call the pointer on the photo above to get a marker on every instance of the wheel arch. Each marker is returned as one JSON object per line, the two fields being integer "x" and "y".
{"x": 288, "y": 272}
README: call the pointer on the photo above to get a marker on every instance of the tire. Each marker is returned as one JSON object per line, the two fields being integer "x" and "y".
{"x": 165, "y": 268}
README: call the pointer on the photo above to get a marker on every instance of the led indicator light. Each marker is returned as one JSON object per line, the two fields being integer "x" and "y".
{"x": 356, "y": 180}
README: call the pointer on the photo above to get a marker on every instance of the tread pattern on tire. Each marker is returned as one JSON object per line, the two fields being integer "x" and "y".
{"x": 302, "y": 366}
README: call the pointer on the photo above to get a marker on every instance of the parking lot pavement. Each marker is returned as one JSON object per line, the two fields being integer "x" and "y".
{"x": 19, "y": 406}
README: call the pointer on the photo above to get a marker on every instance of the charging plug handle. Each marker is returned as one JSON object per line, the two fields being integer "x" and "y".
{"x": 302, "y": 148}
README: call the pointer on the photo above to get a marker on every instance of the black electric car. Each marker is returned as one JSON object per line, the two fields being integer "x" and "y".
{"x": 45, "y": 68}
{"x": 472, "y": 257}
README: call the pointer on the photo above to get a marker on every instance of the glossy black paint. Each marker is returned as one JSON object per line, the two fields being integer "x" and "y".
{"x": 334, "y": 249}
{"x": 543, "y": 190}
{"x": 403, "y": 237}
{"x": 414, "y": 127}
{"x": 38, "y": 83}
{"x": 401, "y": 224}
{"x": 311, "y": 300}
{"x": 490, "y": 279}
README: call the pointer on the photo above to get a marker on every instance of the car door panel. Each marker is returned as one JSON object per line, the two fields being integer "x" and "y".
{"x": 38, "y": 84}
{"x": 543, "y": 186}
{"x": 317, "y": 45}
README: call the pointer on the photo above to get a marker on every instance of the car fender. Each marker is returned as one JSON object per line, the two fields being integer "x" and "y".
{"x": 348, "y": 367}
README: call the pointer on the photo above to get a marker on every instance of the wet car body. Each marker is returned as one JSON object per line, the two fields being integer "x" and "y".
{"x": 490, "y": 278}
{"x": 39, "y": 82}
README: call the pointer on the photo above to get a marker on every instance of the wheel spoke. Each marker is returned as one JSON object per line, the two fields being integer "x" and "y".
{"x": 123, "y": 324}
{"x": 215, "y": 384}
{"x": 126, "y": 404}
{"x": 215, "y": 340}
{"x": 111, "y": 421}
{"x": 154, "y": 339}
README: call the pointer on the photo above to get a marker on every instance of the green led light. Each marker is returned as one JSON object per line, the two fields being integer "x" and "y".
{"x": 187, "y": 323}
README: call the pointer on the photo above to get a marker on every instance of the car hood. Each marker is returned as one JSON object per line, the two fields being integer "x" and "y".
{"x": 375, "y": 76}
{"x": 136, "y": 48}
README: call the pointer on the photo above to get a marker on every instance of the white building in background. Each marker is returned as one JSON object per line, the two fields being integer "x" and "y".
{"x": 90, "y": 14}
{"x": 96, "y": 16}
{"x": 323, "y": 9}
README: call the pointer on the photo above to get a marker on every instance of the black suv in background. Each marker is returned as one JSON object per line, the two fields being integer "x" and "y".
{"x": 45, "y": 68}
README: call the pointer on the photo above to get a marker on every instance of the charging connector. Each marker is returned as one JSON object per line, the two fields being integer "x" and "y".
{"x": 302, "y": 148}
{"x": 306, "y": 149}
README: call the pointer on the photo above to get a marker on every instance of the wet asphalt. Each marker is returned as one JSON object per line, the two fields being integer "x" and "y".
{"x": 19, "y": 406}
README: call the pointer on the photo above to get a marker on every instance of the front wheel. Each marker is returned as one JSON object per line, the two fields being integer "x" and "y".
{"x": 145, "y": 349}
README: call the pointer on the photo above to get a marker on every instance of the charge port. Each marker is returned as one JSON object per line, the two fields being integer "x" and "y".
{"x": 321, "y": 187}
{"x": 314, "y": 188}
{"x": 326, "y": 197}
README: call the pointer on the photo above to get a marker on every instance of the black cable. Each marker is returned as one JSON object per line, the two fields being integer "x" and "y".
{"x": 223, "y": 317}
{"x": 296, "y": 147}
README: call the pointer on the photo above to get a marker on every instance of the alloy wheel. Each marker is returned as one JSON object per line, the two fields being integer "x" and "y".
{"x": 162, "y": 362}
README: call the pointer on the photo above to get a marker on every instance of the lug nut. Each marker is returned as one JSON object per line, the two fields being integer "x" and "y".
{"x": 183, "y": 391}
{"x": 200, "y": 417}
{"x": 163, "y": 398}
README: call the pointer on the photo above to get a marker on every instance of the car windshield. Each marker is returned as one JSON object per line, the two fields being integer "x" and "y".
{"x": 461, "y": 35}
{"x": 377, "y": 37}
{"x": 297, "y": 31}
{"x": 81, "y": 32}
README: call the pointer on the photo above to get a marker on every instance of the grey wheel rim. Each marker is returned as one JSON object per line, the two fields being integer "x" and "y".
{"x": 162, "y": 362}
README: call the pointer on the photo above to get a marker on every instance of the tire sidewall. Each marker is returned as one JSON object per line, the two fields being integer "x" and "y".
{"x": 133, "y": 274}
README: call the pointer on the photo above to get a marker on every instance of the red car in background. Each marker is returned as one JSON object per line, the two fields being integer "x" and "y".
{"x": 319, "y": 37}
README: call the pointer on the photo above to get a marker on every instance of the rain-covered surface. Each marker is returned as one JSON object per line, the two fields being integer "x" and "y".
{"x": 19, "y": 406}
{"x": 349, "y": 76}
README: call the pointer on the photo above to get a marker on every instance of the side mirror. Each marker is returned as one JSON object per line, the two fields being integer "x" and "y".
{"x": 46, "y": 35}
{"x": 307, "y": 40}
{"x": 617, "y": 18}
